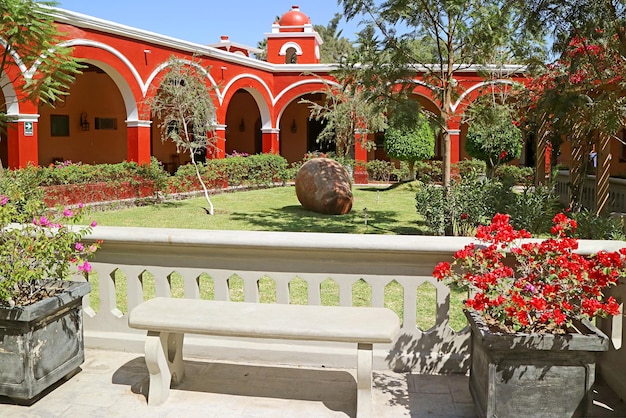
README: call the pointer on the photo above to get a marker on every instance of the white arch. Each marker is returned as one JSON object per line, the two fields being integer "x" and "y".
{"x": 300, "y": 83}
{"x": 291, "y": 44}
{"x": 16, "y": 57}
{"x": 203, "y": 70}
{"x": 266, "y": 120}
{"x": 252, "y": 76}
{"x": 130, "y": 103}
{"x": 455, "y": 105}
{"x": 294, "y": 85}
{"x": 10, "y": 97}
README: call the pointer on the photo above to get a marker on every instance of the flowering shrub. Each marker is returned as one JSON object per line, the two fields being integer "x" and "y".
{"x": 47, "y": 247}
{"x": 547, "y": 287}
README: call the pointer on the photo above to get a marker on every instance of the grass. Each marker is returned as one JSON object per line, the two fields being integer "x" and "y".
{"x": 376, "y": 210}
{"x": 387, "y": 210}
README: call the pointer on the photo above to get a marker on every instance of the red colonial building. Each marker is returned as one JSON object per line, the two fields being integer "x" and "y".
{"x": 104, "y": 118}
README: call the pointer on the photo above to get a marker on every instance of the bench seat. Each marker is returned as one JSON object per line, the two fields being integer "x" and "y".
{"x": 168, "y": 319}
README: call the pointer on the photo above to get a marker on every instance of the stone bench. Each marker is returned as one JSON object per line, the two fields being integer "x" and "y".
{"x": 168, "y": 319}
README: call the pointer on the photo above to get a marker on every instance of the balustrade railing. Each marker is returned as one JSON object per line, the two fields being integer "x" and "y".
{"x": 617, "y": 192}
{"x": 135, "y": 264}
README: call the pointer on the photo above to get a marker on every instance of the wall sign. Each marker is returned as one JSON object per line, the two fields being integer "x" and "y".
{"x": 28, "y": 128}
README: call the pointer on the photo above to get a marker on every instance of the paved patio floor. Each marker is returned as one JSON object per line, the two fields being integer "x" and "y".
{"x": 113, "y": 384}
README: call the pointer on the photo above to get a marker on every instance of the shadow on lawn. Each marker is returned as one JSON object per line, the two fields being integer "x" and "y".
{"x": 295, "y": 218}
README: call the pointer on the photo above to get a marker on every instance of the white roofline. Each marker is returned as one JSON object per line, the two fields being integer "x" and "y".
{"x": 89, "y": 22}
{"x": 106, "y": 26}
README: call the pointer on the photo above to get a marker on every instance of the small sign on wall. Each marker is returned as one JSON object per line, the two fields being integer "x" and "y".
{"x": 28, "y": 128}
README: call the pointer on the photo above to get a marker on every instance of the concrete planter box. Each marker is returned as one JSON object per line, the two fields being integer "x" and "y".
{"x": 538, "y": 375}
{"x": 41, "y": 343}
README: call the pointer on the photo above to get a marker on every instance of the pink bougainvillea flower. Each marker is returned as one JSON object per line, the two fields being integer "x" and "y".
{"x": 85, "y": 267}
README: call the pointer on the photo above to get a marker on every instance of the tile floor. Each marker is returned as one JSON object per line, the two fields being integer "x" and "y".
{"x": 114, "y": 384}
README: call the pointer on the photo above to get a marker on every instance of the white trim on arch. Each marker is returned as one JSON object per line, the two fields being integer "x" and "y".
{"x": 247, "y": 75}
{"x": 262, "y": 105}
{"x": 455, "y": 105}
{"x": 10, "y": 97}
{"x": 287, "y": 45}
{"x": 291, "y": 87}
{"x": 16, "y": 57}
{"x": 165, "y": 64}
{"x": 302, "y": 82}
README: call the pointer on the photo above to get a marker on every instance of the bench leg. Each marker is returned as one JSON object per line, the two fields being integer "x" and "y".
{"x": 364, "y": 380}
{"x": 164, "y": 359}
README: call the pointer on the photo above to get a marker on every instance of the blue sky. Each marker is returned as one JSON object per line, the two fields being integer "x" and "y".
{"x": 244, "y": 21}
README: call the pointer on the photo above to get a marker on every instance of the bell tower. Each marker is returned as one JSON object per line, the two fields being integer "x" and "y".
{"x": 293, "y": 40}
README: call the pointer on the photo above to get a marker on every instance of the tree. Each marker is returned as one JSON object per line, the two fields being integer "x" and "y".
{"x": 566, "y": 19}
{"x": 335, "y": 48}
{"x": 345, "y": 111}
{"x": 30, "y": 40}
{"x": 492, "y": 135}
{"x": 186, "y": 111}
{"x": 410, "y": 143}
{"x": 456, "y": 33}
{"x": 580, "y": 95}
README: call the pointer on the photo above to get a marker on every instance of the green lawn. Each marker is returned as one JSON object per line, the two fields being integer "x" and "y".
{"x": 376, "y": 210}
{"x": 388, "y": 210}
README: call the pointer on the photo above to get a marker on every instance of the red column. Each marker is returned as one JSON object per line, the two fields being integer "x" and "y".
{"x": 270, "y": 141}
{"x": 217, "y": 143}
{"x": 23, "y": 141}
{"x": 139, "y": 141}
{"x": 360, "y": 157}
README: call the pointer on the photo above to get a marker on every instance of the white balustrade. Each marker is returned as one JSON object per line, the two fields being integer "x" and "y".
{"x": 134, "y": 264}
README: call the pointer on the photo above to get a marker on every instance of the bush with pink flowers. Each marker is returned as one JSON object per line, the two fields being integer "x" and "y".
{"x": 37, "y": 253}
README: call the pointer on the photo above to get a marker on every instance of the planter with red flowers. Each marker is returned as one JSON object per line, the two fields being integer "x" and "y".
{"x": 533, "y": 347}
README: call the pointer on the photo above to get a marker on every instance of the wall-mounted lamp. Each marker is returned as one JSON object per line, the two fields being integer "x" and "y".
{"x": 242, "y": 126}
{"x": 145, "y": 55}
{"x": 84, "y": 123}
{"x": 294, "y": 127}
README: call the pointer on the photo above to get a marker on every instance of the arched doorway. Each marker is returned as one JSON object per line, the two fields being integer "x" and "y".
{"x": 243, "y": 125}
{"x": 298, "y": 133}
{"x": 88, "y": 126}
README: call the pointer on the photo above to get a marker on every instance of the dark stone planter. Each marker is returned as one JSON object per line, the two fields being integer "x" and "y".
{"x": 538, "y": 375}
{"x": 41, "y": 343}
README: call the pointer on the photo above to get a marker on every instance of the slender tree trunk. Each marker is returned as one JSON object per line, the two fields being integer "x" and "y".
{"x": 411, "y": 170}
{"x": 206, "y": 192}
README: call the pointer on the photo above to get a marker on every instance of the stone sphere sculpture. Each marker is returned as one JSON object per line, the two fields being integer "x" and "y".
{"x": 323, "y": 185}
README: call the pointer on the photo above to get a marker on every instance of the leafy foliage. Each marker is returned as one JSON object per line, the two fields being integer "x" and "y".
{"x": 35, "y": 245}
{"x": 468, "y": 202}
{"x": 472, "y": 200}
{"x": 439, "y": 36}
{"x": 344, "y": 111}
{"x": 580, "y": 94}
{"x": 410, "y": 143}
{"x": 594, "y": 226}
{"x": 335, "y": 48}
{"x": 185, "y": 107}
{"x": 492, "y": 137}
{"x": 379, "y": 170}
{"x": 31, "y": 38}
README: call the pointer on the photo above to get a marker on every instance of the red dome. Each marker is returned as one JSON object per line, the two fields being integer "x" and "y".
{"x": 294, "y": 17}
